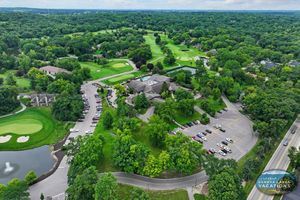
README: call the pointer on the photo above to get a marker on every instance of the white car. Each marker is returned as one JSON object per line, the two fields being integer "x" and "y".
{"x": 222, "y": 153}
{"x": 74, "y": 130}
{"x": 228, "y": 149}
{"x": 93, "y": 125}
{"x": 229, "y": 140}
{"x": 89, "y": 132}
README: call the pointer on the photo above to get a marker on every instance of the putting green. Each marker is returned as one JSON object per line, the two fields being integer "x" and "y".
{"x": 119, "y": 65}
{"x": 21, "y": 127}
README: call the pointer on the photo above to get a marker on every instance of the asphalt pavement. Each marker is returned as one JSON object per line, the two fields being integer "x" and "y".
{"x": 279, "y": 160}
{"x": 56, "y": 184}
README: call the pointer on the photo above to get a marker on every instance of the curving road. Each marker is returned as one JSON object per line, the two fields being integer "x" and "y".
{"x": 56, "y": 184}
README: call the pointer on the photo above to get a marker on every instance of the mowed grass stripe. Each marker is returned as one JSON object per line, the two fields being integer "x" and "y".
{"x": 157, "y": 54}
{"x": 112, "y": 68}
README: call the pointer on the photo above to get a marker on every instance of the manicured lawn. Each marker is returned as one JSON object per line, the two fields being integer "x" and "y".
{"x": 122, "y": 78}
{"x": 112, "y": 68}
{"x": 37, "y": 123}
{"x": 157, "y": 54}
{"x": 184, "y": 55}
{"x": 124, "y": 192}
{"x": 183, "y": 120}
{"x": 21, "y": 127}
{"x": 21, "y": 82}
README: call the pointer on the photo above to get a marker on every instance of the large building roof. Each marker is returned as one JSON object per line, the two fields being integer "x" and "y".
{"x": 53, "y": 70}
{"x": 152, "y": 85}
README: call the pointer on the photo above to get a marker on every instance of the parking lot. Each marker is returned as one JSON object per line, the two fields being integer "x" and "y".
{"x": 237, "y": 127}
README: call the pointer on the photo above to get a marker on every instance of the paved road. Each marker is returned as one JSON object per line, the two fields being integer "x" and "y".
{"x": 19, "y": 111}
{"x": 161, "y": 184}
{"x": 56, "y": 184}
{"x": 279, "y": 160}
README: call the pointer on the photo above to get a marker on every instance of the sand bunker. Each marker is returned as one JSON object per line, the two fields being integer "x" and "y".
{"x": 4, "y": 139}
{"x": 23, "y": 139}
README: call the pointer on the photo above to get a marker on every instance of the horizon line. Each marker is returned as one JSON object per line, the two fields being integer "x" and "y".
{"x": 143, "y": 9}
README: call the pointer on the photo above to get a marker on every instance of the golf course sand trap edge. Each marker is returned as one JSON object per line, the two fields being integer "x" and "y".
{"x": 22, "y": 139}
{"x": 4, "y": 139}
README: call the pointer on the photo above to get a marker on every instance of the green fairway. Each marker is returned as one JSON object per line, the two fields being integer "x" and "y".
{"x": 123, "y": 78}
{"x": 113, "y": 67}
{"x": 157, "y": 54}
{"x": 21, "y": 127}
{"x": 21, "y": 82}
{"x": 184, "y": 55}
{"x": 37, "y": 123}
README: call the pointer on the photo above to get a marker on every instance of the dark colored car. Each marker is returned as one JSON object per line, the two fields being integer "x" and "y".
{"x": 208, "y": 131}
{"x": 224, "y": 150}
{"x": 225, "y": 143}
{"x": 204, "y": 133}
{"x": 223, "y": 130}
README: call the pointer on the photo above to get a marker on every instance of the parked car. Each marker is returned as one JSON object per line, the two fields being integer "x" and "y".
{"x": 222, "y": 153}
{"x": 80, "y": 120}
{"x": 208, "y": 131}
{"x": 197, "y": 139}
{"x": 200, "y": 135}
{"x": 228, "y": 149}
{"x": 224, "y": 150}
{"x": 212, "y": 150}
{"x": 89, "y": 132}
{"x": 225, "y": 109}
{"x": 225, "y": 143}
{"x": 223, "y": 130}
{"x": 229, "y": 140}
{"x": 204, "y": 133}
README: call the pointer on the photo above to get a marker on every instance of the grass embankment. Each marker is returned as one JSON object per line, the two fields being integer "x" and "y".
{"x": 113, "y": 67}
{"x": 124, "y": 192}
{"x": 253, "y": 154}
{"x": 21, "y": 82}
{"x": 37, "y": 123}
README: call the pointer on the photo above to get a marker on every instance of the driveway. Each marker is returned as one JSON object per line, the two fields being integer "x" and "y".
{"x": 238, "y": 127}
{"x": 56, "y": 184}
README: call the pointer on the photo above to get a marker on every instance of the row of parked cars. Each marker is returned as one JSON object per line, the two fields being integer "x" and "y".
{"x": 201, "y": 137}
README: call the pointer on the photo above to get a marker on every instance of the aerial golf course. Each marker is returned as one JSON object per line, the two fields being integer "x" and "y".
{"x": 35, "y": 124}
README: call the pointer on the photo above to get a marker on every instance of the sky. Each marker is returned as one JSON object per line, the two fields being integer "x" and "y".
{"x": 158, "y": 4}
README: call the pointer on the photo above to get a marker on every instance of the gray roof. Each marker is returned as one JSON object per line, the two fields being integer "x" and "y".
{"x": 152, "y": 85}
{"x": 54, "y": 70}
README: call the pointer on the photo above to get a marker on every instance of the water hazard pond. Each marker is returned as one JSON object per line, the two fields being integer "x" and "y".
{"x": 39, "y": 160}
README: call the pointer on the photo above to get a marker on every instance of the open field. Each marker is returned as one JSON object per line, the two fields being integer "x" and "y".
{"x": 157, "y": 54}
{"x": 125, "y": 190}
{"x": 112, "y": 68}
{"x": 21, "y": 82}
{"x": 37, "y": 123}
